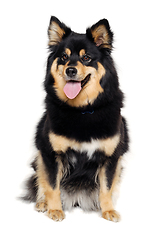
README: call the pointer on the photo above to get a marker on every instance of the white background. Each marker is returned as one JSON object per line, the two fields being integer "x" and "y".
{"x": 23, "y": 54}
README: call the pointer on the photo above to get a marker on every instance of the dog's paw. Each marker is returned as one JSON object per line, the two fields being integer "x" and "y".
{"x": 41, "y": 206}
{"x": 111, "y": 216}
{"x": 56, "y": 215}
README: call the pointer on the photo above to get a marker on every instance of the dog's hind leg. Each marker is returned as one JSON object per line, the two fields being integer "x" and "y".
{"x": 48, "y": 198}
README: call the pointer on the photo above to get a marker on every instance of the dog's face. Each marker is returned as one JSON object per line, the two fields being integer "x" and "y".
{"x": 76, "y": 61}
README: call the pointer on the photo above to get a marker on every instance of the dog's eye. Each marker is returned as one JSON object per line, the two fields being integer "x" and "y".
{"x": 86, "y": 58}
{"x": 64, "y": 57}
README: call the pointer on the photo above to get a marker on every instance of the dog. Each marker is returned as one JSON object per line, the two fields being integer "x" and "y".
{"x": 82, "y": 136}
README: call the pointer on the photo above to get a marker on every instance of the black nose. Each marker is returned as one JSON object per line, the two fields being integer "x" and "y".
{"x": 71, "y": 72}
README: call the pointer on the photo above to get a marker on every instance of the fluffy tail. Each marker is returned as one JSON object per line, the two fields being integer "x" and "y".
{"x": 31, "y": 189}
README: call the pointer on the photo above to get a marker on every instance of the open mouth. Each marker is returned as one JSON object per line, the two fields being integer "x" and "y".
{"x": 83, "y": 83}
{"x": 72, "y": 88}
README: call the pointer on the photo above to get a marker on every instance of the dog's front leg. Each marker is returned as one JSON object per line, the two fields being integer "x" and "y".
{"x": 108, "y": 184}
{"x": 48, "y": 197}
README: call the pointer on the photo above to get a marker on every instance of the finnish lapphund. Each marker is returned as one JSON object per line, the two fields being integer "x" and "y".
{"x": 82, "y": 136}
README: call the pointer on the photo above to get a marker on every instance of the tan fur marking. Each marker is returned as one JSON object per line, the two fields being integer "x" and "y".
{"x": 88, "y": 93}
{"x": 59, "y": 80}
{"x": 41, "y": 206}
{"x": 61, "y": 143}
{"x": 101, "y": 36}
{"x": 105, "y": 195}
{"x": 68, "y": 51}
{"x": 55, "y": 34}
{"x": 109, "y": 145}
{"x": 116, "y": 179}
{"x": 82, "y": 52}
{"x": 48, "y": 198}
{"x": 111, "y": 216}
{"x": 56, "y": 215}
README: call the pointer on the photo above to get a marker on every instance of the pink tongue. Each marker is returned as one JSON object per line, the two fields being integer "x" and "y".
{"x": 71, "y": 89}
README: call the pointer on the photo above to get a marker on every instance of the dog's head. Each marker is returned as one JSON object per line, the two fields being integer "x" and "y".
{"x": 80, "y": 68}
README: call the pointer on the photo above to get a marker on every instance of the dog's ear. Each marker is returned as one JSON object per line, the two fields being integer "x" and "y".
{"x": 57, "y": 31}
{"x": 101, "y": 34}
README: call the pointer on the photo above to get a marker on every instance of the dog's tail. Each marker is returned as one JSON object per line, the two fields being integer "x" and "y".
{"x": 30, "y": 185}
{"x": 31, "y": 189}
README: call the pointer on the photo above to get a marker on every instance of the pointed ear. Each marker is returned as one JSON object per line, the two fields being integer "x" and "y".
{"x": 101, "y": 34}
{"x": 57, "y": 31}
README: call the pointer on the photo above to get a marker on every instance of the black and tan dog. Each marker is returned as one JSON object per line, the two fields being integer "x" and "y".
{"x": 82, "y": 136}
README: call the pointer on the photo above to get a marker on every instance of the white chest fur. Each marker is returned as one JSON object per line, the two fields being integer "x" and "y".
{"x": 61, "y": 143}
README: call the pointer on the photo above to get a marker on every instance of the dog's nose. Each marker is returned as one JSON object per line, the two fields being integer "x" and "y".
{"x": 71, "y": 72}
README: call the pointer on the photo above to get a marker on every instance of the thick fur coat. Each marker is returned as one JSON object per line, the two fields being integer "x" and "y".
{"x": 82, "y": 136}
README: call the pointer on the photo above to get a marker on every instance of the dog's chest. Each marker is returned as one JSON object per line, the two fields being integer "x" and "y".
{"x": 88, "y": 147}
{"x": 62, "y": 144}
